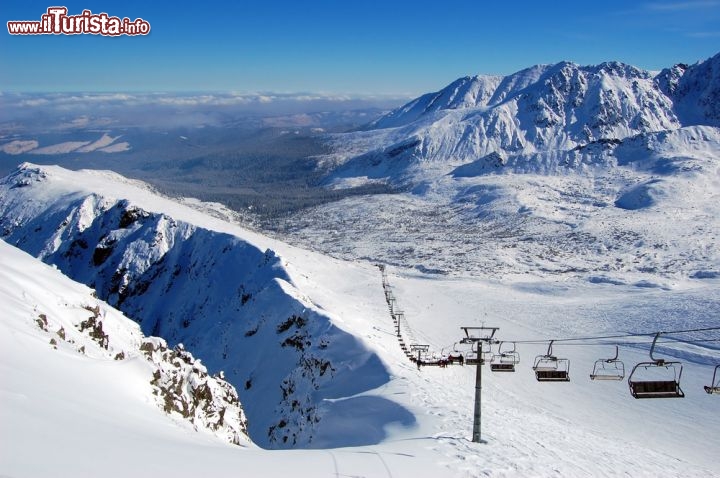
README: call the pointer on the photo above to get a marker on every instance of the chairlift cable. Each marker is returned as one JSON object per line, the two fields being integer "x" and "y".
{"x": 551, "y": 368}
{"x": 619, "y": 336}
{"x": 595, "y": 344}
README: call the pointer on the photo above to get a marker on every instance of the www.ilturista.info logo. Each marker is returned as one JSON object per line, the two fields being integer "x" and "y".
{"x": 57, "y": 22}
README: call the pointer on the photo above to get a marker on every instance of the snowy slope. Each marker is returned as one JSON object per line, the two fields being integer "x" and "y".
{"x": 221, "y": 291}
{"x": 413, "y": 422}
{"x": 695, "y": 91}
{"x": 645, "y": 211}
{"x": 73, "y": 409}
{"x": 463, "y": 93}
{"x": 58, "y": 336}
{"x": 531, "y": 429}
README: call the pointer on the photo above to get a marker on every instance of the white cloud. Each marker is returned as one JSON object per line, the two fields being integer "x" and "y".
{"x": 715, "y": 34}
{"x": 19, "y": 146}
{"x": 84, "y": 110}
{"x": 687, "y": 5}
{"x": 34, "y": 102}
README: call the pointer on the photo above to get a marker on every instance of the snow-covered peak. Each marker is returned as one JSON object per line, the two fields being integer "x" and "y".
{"x": 462, "y": 93}
{"x": 488, "y": 91}
{"x": 695, "y": 91}
{"x": 480, "y": 91}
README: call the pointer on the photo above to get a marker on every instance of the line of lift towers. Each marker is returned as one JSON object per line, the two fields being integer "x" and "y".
{"x": 547, "y": 367}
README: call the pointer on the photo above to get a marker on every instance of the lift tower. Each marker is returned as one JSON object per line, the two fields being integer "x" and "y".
{"x": 478, "y": 336}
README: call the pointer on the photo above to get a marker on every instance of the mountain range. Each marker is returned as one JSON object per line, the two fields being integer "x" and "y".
{"x": 557, "y": 110}
{"x": 605, "y": 172}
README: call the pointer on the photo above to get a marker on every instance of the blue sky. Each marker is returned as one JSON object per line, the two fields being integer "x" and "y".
{"x": 347, "y": 46}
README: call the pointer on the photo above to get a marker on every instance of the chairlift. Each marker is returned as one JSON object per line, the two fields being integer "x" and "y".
{"x": 420, "y": 352}
{"x": 549, "y": 368}
{"x": 465, "y": 348}
{"x": 456, "y": 356}
{"x": 468, "y": 354}
{"x": 504, "y": 360}
{"x": 656, "y": 378}
{"x": 608, "y": 369}
{"x": 714, "y": 386}
{"x": 472, "y": 358}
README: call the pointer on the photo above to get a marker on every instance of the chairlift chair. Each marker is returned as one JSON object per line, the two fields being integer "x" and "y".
{"x": 456, "y": 356}
{"x": 504, "y": 360}
{"x": 467, "y": 353}
{"x": 476, "y": 336}
{"x": 665, "y": 382}
{"x": 608, "y": 369}
{"x": 714, "y": 386}
{"x": 472, "y": 359}
{"x": 549, "y": 368}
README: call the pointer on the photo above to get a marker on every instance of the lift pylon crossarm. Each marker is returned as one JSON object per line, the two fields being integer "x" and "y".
{"x": 480, "y": 333}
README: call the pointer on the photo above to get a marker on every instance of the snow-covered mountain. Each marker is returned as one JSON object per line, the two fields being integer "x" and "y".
{"x": 607, "y": 172}
{"x": 694, "y": 90}
{"x": 546, "y": 109}
{"x": 194, "y": 280}
{"x": 84, "y": 393}
{"x": 641, "y": 210}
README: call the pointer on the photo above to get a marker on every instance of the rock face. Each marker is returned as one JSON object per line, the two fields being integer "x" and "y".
{"x": 695, "y": 91}
{"x": 183, "y": 385}
{"x": 180, "y": 383}
{"x": 230, "y": 303}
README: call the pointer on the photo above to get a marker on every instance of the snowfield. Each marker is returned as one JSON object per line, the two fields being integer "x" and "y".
{"x": 87, "y": 416}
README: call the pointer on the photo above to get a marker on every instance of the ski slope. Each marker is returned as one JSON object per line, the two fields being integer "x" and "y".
{"x": 88, "y": 416}
{"x": 579, "y": 428}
